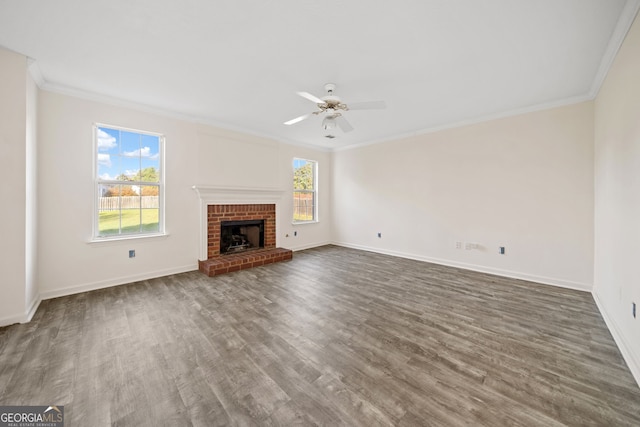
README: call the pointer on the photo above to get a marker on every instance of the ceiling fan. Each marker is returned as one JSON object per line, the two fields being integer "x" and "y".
{"x": 333, "y": 107}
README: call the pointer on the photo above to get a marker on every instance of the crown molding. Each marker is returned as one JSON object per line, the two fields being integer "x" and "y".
{"x": 34, "y": 72}
{"x": 123, "y": 103}
{"x": 628, "y": 15}
{"x": 473, "y": 121}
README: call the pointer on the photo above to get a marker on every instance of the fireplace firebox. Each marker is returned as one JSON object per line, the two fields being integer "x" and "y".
{"x": 241, "y": 236}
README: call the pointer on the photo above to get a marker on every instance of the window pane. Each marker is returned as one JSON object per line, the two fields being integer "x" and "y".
{"x": 150, "y": 171}
{"x": 131, "y": 216}
{"x": 108, "y": 210}
{"x": 150, "y": 158}
{"x": 150, "y": 208}
{"x": 129, "y": 168}
{"x": 303, "y": 172}
{"x": 109, "y": 223}
{"x": 150, "y": 220}
{"x": 129, "y": 144}
{"x": 108, "y": 152}
{"x": 303, "y": 206}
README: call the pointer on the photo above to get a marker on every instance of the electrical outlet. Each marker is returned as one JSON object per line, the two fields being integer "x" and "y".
{"x": 295, "y": 234}
{"x": 458, "y": 245}
{"x": 501, "y": 250}
{"x": 380, "y": 235}
{"x": 132, "y": 253}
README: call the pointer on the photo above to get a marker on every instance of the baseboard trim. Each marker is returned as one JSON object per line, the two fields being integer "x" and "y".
{"x": 481, "y": 269}
{"x": 629, "y": 357}
{"x": 309, "y": 246}
{"x": 22, "y": 318}
{"x": 32, "y": 308}
{"x": 115, "y": 282}
{"x": 11, "y": 320}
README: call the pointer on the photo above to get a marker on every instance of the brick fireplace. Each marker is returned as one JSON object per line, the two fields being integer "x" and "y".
{"x": 215, "y": 214}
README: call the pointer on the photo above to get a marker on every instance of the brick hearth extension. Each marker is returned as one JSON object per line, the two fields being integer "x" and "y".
{"x": 220, "y": 264}
{"x": 237, "y": 262}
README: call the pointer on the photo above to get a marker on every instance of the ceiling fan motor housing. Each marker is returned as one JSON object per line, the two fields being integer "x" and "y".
{"x": 331, "y": 99}
{"x": 332, "y": 102}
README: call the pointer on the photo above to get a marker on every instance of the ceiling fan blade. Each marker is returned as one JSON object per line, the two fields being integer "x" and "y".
{"x": 310, "y": 97}
{"x": 344, "y": 124}
{"x": 297, "y": 119}
{"x": 368, "y": 105}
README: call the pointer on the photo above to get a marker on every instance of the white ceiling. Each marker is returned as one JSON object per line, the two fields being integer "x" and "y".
{"x": 239, "y": 63}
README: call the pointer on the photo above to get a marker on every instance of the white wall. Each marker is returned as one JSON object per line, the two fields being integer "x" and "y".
{"x": 617, "y": 198}
{"x": 13, "y": 186}
{"x": 523, "y": 182}
{"x": 31, "y": 199}
{"x": 67, "y": 262}
{"x": 196, "y": 154}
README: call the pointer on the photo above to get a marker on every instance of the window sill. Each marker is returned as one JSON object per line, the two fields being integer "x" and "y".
{"x": 305, "y": 222}
{"x": 99, "y": 241}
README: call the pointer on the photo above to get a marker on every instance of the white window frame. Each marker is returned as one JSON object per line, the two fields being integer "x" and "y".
{"x": 96, "y": 237}
{"x": 314, "y": 192}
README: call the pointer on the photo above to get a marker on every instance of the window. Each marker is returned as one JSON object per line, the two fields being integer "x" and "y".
{"x": 129, "y": 182}
{"x": 305, "y": 190}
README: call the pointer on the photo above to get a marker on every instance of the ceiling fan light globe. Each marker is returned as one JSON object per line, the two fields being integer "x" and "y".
{"x": 329, "y": 123}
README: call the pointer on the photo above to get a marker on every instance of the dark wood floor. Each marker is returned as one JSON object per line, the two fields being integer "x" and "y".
{"x": 334, "y": 337}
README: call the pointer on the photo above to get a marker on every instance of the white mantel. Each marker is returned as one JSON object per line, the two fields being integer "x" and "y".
{"x": 213, "y": 195}
{"x": 233, "y": 195}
